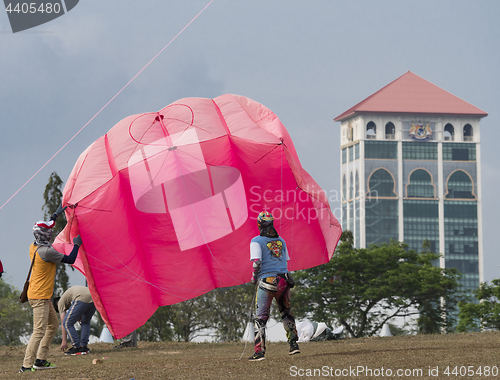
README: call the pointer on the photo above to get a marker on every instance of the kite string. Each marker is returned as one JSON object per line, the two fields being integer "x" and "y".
{"x": 113, "y": 98}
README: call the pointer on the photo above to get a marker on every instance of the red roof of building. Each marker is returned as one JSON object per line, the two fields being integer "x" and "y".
{"x": 412, "y": 94}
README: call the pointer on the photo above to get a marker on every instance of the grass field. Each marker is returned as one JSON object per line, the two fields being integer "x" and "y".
{"x": 409, "y": 357}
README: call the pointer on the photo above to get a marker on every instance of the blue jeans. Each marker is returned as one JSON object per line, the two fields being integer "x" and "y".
{"x": 267, "y": 289}
{"x": 79, "y": 311}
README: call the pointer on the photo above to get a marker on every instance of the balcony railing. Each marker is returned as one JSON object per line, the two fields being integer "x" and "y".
{"x": 468, "y": 138}
{"x": 371, "y": 137}
{"x": 448, "y": 138}
{"x": 390, "y": 136}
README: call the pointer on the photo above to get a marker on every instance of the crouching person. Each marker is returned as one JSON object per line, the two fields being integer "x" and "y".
{"x": 75, "y": 305}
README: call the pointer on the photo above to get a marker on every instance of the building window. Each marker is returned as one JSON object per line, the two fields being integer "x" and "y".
{"x": 351, "y": 187}
{"x": 449, "y": 132}
{"x": 357, "y": 224}
{"x": 351, "y": 217}
{"x": 344, "y": 188}
{"x": 381, "y": 184}
{"x": 371, "y": 131}
{"x": 390, "y": 131}
{"x": 461, "y": 241}
{"x": 421, "y": 222}
{"x": 381, "y": 220}
{"x": 344, "y": 216}
{"x": 459, "y": 152}
{"x": 356, "y": 152}
{"x": 420, "y": 185}
{"x": 357, "y": 184}
{"x": 344, "y": 156}
{"x": 351, "y": 154}
{"x": 420, "y": 151}
{"x": 381, "y": 150}
{"x": 459, "y": 186}
{"x": 468, "y": 133}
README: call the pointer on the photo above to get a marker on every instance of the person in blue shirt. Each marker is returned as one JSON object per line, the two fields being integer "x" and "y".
{"x": 270, "y": 272}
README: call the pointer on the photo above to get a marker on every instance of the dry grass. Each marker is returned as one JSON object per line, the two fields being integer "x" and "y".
{"x": 220, "y": 361}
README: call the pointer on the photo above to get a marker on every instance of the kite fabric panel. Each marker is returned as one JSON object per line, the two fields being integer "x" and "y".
{"x": 166, "y": 204}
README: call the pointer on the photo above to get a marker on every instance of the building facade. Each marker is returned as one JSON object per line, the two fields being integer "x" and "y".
{"x": 411, "y": 170}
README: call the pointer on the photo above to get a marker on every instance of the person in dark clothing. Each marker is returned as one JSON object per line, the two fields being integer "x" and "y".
{"x": 269, "y": 255}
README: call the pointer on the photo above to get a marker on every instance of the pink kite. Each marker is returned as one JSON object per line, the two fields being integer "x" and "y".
{"x": 166, "y": 204}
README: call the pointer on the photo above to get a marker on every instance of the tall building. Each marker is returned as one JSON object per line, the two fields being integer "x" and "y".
{"x": 411, "y": 170}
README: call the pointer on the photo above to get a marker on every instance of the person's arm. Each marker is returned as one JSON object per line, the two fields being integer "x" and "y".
{"x": 71, "y": 258}
{"x": 256, "y": 258}
{"x": 64, "y": 344}
{"x": 257, "y": 263}
{"x": 49, "y": 254}
{"x": 58, "y": 212}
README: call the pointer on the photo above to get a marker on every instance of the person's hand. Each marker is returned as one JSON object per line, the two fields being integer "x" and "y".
{"x": 58, "y": 212}
{"x": 64, "y": 346}
{"x": 77, "y": 241}
{"x": 254, "y": 280}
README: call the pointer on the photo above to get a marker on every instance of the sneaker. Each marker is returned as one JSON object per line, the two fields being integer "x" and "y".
{"x": 294, "y": 348}
{"x": 43, "y": 364}
{"x": 74, "y": 351}
{"x": 24, "y": 369}
{"x": 84, "y": 350}
{"x": 125, "y": 344}
{"x": 258, "y": 356}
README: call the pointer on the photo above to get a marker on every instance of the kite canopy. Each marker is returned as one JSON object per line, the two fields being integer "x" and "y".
{"x": 166, "y": 204}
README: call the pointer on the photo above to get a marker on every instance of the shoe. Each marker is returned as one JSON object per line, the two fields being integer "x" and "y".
{"x": 74, "y": 351}
{"x": 84, "y": 350}
{"x": 24, "y": 369}
{"x": 294, "y": 348}
{"x": 125, "y": 344}
{"x": 43, "y": 364}
{"x": 258, "y": 356}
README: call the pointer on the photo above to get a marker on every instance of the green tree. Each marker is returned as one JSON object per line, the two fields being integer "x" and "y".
{"x": 53, "y": 198}
{"x": 474, "y": 316}
{"x": 231, "y": 311}
{"x": 364, "y": 288}
{"x": 181, "y": 322}
{"x": 190, "y": 317}
{"x": 15, "y": 317}
{"x": 159, "y": 326}
{"x": 223, "y": 312}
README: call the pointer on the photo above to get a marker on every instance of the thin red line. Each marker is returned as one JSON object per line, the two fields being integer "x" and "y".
{"x": 113, "y": 98}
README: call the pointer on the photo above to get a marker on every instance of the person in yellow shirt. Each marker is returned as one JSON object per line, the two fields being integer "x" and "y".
{"x": 41, "y": 287}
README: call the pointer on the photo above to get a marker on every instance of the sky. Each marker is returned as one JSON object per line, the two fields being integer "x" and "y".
{"x": 307, "y": 61}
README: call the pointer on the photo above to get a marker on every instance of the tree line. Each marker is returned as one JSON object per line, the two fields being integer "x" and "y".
{"x": 360, "y": 289}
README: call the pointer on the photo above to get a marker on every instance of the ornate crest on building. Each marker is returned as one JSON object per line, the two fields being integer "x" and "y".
{"x": 420, "y": 131}
{"x": 350, "y": 132}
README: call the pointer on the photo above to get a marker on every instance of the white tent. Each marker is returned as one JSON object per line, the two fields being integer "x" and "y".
{"x": 385, "y": 330}
{"x": 248, "y": 335}
{"x": 275, "y": 332}
{"x": 308, "y": 330}
{"x": 106, "y": 336}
